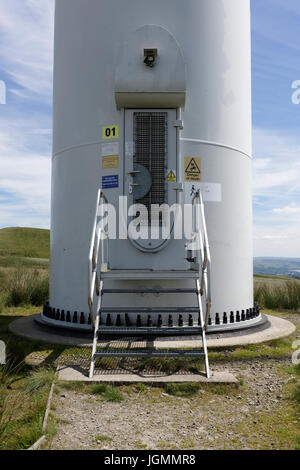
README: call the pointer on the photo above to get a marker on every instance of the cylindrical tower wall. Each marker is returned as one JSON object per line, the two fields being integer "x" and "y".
{"x": 214, "y": 39}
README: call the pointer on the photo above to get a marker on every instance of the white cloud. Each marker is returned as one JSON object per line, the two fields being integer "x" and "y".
{"x": 24, "y": 180}
{"x": 288, "y": 210}
{"x": 276, "y": 163}
{"x": 276, "y": 180}
{"x": 278, "y": 241}
{"x": 261, "y": 164}
{"x": 26, "y": 48}
{"x": 26, "y": 57}
{"x": 275, "y": 237}
{"x": 276, "y": 193}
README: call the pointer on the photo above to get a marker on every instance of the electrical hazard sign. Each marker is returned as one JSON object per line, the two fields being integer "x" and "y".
{"x": 192, "y": 169}
{"x": 171, "y": 178}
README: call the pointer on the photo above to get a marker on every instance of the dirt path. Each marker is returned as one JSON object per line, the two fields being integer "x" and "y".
{"x": 257, "y": 414}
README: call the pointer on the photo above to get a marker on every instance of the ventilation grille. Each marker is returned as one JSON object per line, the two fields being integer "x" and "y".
{"x": 151, "y": 151}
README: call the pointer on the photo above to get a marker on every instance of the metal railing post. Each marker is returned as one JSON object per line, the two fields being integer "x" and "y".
{"x": 203, "y": 252}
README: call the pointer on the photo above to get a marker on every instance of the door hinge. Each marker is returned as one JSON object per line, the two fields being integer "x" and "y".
{"x": 177, "y": 187}
{"x": 179, "y": 123}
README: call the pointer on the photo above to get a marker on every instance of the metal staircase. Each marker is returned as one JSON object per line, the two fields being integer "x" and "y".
{"x": 99, "y": 273}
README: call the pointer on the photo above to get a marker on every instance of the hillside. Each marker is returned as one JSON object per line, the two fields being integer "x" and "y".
{"x": 25, "y": 242}
{"x": 277, "y": 266}
{"x": 35, "y": 243}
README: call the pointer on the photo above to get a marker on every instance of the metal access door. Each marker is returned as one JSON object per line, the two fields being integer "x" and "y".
{"x": 151, "y": 168}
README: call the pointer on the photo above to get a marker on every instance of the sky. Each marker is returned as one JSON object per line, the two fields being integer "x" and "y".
{"x": 26, "y": 66}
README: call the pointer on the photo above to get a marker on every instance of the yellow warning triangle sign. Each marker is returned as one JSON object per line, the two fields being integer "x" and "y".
{"x": 192, "y": 169}
{"x": 171, "y": 178}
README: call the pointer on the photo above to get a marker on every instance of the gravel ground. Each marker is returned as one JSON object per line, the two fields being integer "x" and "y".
{"x": 258, "y": 414}
{"x": 216, "y": 418}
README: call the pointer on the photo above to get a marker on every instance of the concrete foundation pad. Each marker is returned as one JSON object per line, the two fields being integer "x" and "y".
{"x": 30, "y": 329}
{"x": 73, "y": 374}
{"x": 279, "y": 328}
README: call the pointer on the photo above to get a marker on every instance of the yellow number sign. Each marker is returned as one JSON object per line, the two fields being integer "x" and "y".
{"x": 111, "y": 132}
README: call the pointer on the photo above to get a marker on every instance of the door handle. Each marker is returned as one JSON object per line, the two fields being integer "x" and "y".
{"x": 131, "y": 187}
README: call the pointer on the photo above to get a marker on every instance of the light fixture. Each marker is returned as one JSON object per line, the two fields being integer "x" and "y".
{"x": 150, "y": 57}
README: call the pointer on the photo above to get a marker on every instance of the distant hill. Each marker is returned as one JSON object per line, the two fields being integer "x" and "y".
{"x": 25, "y": 242}
{"x": 35, "y": 243}
{"x": 278, "y": 266}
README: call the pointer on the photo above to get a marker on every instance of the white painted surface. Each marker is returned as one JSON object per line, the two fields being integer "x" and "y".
{"x": 211, "y": 192}
{"x": 214, "y": 39}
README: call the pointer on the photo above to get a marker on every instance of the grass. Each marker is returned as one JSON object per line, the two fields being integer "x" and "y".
{"x": 108, "y": 393}
{"x": 98, "y": 389}
{"x": 24, "y": 266}
{"x": 103, "y": 438}
{"x": 141, "y": 388}
{"x": 23, "y": 400}
{"x": 74, "y": 386}
{"x": 274, "y": 349}
{"x": 186, "y": 390}
{"x": 139, "y": 445}
{"x": 285, "y": 295}
{"x": 170, "y": 365}
{"x": 24, "y": 287}
{"x": 113, "y": 394}
{"x": 38, "y": 379}
{"x": 24, "y": 390}
{"x": 8, "y": 262}
{"x": 25, "y": 242}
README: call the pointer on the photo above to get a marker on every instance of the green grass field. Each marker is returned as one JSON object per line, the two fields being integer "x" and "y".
{"x": 24, "y": 267}
{"x": 25, "y": 243}
{"x": 274, "y": 280}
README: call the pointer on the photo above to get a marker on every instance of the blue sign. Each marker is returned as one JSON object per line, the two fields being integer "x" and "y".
{"x": 109, "y": 182}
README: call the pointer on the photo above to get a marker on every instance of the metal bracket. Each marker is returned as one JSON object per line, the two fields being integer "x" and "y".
{"x": 177, "y": 187}
{"x": 195, "y": 266}
{"x": 179, "y": 123}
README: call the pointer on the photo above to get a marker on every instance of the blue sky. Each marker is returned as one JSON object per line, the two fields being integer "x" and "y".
{"x": 26, "y": 56}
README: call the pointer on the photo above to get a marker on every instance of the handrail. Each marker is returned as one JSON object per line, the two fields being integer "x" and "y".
{"x": 204, "y": 249}
{"x": 95, "y": 253}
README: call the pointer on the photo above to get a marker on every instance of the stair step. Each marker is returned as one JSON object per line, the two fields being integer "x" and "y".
{"x": 148, "y": 353}
{"x": 147, "y": 274}
{"x": 149, "y": 291}
{"x": 149, "y": 310}
{"x": 150, "y": 330}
